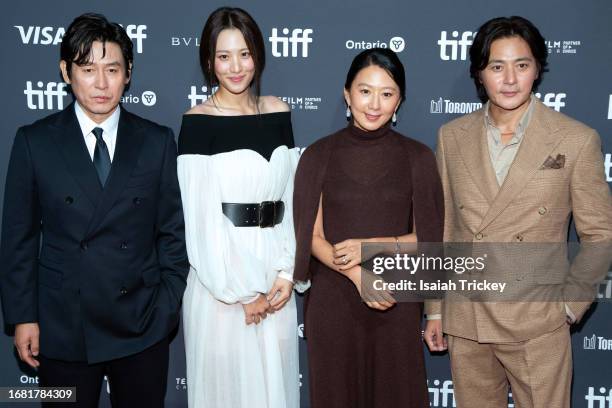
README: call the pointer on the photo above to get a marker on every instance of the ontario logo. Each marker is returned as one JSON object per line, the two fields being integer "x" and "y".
{"x": 395, "y": 44}
{"x": 147, "y": 98}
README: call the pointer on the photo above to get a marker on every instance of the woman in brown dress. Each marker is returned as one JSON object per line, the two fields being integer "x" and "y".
{"x": 364, "y": 183}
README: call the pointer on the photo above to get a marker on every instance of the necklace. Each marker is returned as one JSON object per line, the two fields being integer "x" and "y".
{"x": 214, "y": 98}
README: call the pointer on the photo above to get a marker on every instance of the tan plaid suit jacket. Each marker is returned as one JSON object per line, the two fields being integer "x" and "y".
{"x": 533, "y": 205}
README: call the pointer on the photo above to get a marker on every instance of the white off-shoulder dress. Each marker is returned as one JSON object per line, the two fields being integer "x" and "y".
{"x": 237, "y": 159}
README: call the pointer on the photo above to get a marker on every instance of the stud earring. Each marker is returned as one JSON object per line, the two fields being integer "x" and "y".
{"x": 394, "y": 119}
{"x": 348, "y": 112}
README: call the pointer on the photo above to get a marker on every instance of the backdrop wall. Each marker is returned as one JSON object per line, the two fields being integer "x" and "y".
{"x": 309, "y": 46}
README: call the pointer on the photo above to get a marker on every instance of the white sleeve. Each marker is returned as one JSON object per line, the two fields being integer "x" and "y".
{"x": 286, "y": 262}
{"x": 227, "y": 271}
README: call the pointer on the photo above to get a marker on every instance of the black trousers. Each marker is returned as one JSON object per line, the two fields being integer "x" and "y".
{"x": 138, "y": 380}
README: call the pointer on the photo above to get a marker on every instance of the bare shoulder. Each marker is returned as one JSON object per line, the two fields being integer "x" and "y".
{"x": 270, "y": 104}
{"x": 205, "y": 108}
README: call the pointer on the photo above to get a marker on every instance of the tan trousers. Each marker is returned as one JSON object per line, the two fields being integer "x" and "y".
{"x": 539, "y": 371}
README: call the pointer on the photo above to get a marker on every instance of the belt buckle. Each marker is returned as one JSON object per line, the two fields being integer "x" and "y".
{"x": 266, "y": 214}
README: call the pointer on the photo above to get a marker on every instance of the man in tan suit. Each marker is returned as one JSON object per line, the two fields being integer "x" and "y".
{"x": 515, "y": 171}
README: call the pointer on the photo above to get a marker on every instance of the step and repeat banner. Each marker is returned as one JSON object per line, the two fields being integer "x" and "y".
{"x": 309, "y": 46}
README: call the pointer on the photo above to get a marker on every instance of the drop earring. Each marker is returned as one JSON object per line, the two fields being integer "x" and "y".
{"x": 348, "y": 113}
{"x": 394, "y": 119}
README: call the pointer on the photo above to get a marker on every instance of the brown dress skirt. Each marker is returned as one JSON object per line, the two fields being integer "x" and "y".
{"x": 360, "y": 357}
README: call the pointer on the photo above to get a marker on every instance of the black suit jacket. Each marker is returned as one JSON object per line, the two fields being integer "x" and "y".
{"x": 108, "y": 279}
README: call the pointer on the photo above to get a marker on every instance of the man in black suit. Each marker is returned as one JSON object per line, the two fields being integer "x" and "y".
{"x": 98, "y": 184}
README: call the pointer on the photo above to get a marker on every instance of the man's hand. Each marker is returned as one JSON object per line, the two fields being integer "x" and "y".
{"x": 257, "y": 310}
{"x": 280, "y": 294}
{"x": 26, "y": 341}
{"x": 364, "y": 282}
{"x": 434, "y": 337}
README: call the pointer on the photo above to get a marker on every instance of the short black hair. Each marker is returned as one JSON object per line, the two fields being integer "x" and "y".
{"x": 231, "y": 18}
{"x": 90, "y": 27}
{"x": 383, "y": 58}
{"x": 505, "y": 27}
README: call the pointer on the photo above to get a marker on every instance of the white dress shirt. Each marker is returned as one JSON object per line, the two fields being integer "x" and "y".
{"x": 109, "y": 126}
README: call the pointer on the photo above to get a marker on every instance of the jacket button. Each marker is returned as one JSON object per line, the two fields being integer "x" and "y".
{"x": 84, "y": 245}
{"x": 542, "y": 210}
{"x": 123, "y": 291}
{"x": 479, "y": 236}
{"x": 69, "y": 200}
{"x": 124, "y": 245}
{"x": 137, "y": 200}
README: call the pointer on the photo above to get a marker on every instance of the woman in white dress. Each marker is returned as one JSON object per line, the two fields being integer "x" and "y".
{"x": 236, "y": 166}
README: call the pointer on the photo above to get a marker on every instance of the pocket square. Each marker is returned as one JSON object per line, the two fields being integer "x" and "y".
{"x": 553, "y": 164}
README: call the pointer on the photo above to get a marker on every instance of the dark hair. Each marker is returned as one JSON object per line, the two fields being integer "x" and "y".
{"x": 383, "y": 58}
{"x": 90, "y": 27}
{"x": 231, "y": 18}
{"x": 504, "y": 27}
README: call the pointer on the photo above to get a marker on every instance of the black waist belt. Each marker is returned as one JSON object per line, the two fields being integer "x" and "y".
{"x": 263, "y": 215}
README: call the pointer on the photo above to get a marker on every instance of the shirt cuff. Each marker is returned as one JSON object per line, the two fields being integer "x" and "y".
{"x": 570, "y": 315}
{"x": 247, "y": 301}
{"x": 286, "y": 276}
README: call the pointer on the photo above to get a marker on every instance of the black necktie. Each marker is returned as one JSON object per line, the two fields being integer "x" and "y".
{"x": 101, "y": 158}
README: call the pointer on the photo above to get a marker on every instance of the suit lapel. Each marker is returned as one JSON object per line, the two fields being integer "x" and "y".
{"x": 69, "y": 138}
{"x": 474, "y": 150}
{"x": 539, "y": 141}
{"x": 127, "y": 149}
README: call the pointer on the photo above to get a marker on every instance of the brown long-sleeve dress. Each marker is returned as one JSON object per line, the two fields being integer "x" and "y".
{"x": 373, "y": 184}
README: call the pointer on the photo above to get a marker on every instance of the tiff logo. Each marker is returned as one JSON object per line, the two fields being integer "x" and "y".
{"x": 608, "y": 167}
{"x": 455, "y": 44}
{"x": 602, "y": 400}
{"x": 442, "y": 396}
{"x": 554, "y": 101}
{"x": 137, "y": 34}
{"x": 40, "y": 35}
{"x": 53, "y": 91}
{"x": 195, "y": 98}
{"x": 298, "y": 37}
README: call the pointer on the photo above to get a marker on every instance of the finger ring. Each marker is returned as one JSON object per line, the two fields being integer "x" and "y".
{"x": 344, "y": 260}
